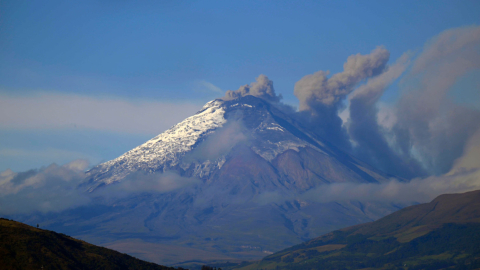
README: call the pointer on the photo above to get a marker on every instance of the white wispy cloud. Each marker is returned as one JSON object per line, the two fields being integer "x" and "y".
{"x": 49, "y": 189}
{"x": 208, "y": 87}
{"x": 51, "y": 111}
{"x": 58, "y": 187}
{"x": 24, "y": 159}
{"x": 39, "y": 154}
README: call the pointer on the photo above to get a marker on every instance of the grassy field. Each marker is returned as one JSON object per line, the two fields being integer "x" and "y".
{"x": 442, "y": 234}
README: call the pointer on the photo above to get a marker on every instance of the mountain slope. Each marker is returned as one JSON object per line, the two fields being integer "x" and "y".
{"x": 228, "y": 180}
{"x": 441, "y": 234}
{"x": 26, "y": 247}
{"x": 200, "y": 145}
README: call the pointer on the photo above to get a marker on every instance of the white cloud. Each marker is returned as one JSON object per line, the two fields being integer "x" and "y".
{"x": 51, "y": 111}
{"x": 49, "y": 189}
{"x": 386, "y": 116}
{"x": 141, "y": 182}
{"x": 56, "y": 188}
{"x": 471, "y": 155}
{"x": 24, "y": 159}
{"x": 42, "y": 154}
{"x": 345, "y": 116}
{"x": 417, "y": 190}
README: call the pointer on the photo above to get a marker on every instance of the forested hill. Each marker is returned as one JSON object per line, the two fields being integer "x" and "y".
{"x": 26, "y": 247}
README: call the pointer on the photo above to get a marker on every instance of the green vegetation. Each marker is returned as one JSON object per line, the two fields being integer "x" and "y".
{"x": 453, "y": 246}
{"x": 442, "y": 234}
{"x": 26, "y": 247}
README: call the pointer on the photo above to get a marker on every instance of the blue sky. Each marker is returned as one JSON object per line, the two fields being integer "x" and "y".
{"x": 125, "y": 71}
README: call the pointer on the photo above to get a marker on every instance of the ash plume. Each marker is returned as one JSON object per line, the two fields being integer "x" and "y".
{"x": 421, "y": 134}
{"x": 429, "y": 138}
{"x": 364, "y": 130}
{"x": 262, "y": 88}
{"x": 320, "y": 97}
{"x": 430, "y": 125}
{"x": 317, "y": 90}
{"x": 426, "y": 131}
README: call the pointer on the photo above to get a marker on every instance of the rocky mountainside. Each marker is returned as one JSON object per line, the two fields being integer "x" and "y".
{"x": 442, "y": 234}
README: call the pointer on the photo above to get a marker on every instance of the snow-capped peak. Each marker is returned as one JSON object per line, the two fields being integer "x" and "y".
{"x": 266, "y": 137}
{"x": 169, "y": 146}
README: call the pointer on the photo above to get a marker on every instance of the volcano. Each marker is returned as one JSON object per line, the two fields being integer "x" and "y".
{"x": 246, "y": 138}
{"x": 234, "y": 177}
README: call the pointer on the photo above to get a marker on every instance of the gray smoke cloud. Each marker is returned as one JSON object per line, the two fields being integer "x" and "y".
{"x": 424, "y": 132}
{"x": 464, "y": 176}
{"x": 320, "y": 97}
{"x": 318, "y": 90}
{"x": 430, "y": 125}
{"x": 262, "y": 88}
{"x": 368, "y": 135}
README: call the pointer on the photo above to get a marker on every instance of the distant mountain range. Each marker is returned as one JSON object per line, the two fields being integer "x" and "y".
{"x": 442, "y": 234}
{"x": 26, "y": 247}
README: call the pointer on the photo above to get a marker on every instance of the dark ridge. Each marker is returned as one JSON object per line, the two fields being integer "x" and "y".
{"x": 26, "y": 247}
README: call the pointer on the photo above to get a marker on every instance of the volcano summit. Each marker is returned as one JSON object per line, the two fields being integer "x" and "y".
{"x": 213, "y": 142}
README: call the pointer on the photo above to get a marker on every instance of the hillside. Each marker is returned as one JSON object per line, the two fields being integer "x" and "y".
{"x": 26, "y": 247}
{"x": 444, "y": 233}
